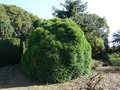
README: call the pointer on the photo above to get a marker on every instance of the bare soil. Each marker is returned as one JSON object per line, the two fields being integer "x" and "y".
{"x": 11, "y": 78}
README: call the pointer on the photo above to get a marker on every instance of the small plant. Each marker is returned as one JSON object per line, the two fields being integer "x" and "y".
{"x": 115, "y": 59}
{"x": 94, "y": 81}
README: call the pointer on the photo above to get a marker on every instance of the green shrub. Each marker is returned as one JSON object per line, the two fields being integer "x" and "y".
{"x": 9, "y": 51}
{"x": 115, "y": 59}
{"x": 57, "y": 52}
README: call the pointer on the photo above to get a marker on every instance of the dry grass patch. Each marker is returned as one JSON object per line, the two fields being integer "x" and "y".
{"x": 11, "y": 78}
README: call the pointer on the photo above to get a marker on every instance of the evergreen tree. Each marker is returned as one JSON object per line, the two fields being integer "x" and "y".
{"x": 71, "y": 9}
{"x": 116, "y": 37}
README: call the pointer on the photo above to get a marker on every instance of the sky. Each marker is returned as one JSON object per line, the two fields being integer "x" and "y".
{"x": 110, "y": 9}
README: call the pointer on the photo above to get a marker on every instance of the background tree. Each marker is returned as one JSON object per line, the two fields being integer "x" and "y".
{"x": 3, "y": 14}
{"x": 116, "y": 43}
{"x": 6, "y": 30}
{"x": 93, "y": 25}
{"x": 116, "y": 37}
{"x": 95, "y": 28}
{"x": 37, "y": 23}
{"x": 19, "y": 19}
{"x": 71, "y": 9}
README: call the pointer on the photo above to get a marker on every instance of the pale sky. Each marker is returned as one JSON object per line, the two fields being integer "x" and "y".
{"x": 110, "y": 9}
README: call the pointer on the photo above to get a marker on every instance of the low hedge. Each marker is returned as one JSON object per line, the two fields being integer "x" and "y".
{"x": 9, "y": 51}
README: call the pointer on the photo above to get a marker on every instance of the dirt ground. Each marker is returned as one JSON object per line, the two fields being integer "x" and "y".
{"x": 11, "y": 78}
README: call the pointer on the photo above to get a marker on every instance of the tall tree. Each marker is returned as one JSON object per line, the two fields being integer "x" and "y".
{"x": 21, "y": 20}
{"x": 116, "y": 37}
{"x": 93, "y": 25}
{"x": 71, "y": 9}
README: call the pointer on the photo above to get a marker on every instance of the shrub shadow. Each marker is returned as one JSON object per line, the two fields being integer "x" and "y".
{"x": 11, "y": 76}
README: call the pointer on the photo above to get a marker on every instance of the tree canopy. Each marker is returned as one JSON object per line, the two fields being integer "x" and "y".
{"x": 6, "y": 30}
{"x": 16, "y": 18}
{"x": 71, "y": 9}
{"x": 116, "y": 37}
{"x": 93, "y": 25}
{"x": 21, "y": 20}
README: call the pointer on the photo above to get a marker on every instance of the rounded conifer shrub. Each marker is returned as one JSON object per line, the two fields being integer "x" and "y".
{"x": 57, "y": 52}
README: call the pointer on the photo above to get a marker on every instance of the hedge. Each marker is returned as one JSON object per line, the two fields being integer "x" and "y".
{"x": 9, "y": 51}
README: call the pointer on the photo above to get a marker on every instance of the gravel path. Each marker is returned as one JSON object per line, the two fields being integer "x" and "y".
{"x": 11, "y": 78}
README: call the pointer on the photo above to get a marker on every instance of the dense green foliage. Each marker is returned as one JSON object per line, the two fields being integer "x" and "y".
{"x": 92, "y": 25}
{"x": 6, "y": 30}
{"x": 16, "y": 22}
{"x": 3, "y": 15}
{"x": 37, "y": 23}
{"x": 9, "y": 51}
{"x": 20, "y": 20}
{"x": 98, "y": 47}
{"x": 57, "y": 52}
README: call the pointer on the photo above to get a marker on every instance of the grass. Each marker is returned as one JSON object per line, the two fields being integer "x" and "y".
{"x": 115, "y": 59}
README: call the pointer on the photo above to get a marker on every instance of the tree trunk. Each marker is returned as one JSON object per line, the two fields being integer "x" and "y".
{"x": 21, "y": 48}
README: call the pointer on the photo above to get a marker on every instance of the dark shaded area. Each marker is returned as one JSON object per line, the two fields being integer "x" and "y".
{"x": 9, "y": 53}
{"x": 11, "y": 76}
